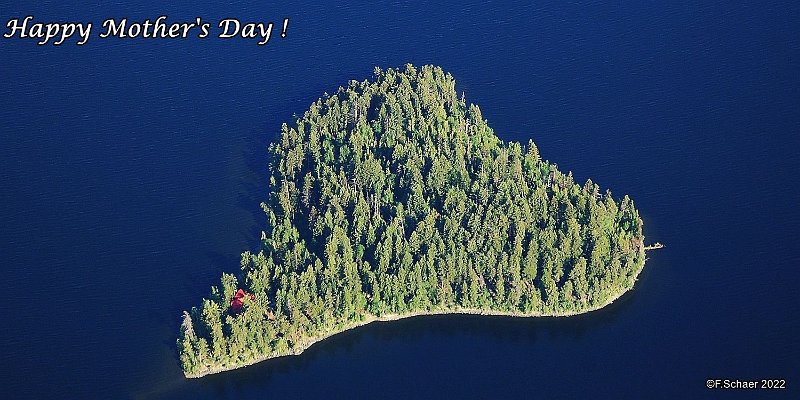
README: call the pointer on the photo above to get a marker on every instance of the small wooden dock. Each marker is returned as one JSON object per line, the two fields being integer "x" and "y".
{"x": 654, "y": 246}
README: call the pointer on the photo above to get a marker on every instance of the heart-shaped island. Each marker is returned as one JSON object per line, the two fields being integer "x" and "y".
{"x": 393, "y": 198}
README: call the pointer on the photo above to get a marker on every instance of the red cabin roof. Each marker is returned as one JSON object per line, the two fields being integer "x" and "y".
{"x": 238, "y": 300}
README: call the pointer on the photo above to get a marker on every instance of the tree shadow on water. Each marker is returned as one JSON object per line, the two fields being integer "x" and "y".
{"x": 253, "y": 184}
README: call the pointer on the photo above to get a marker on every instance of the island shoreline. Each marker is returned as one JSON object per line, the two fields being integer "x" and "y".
{"x": 395, "y": 317}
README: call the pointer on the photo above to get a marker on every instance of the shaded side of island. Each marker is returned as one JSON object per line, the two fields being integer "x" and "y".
{"x": 392, "y": 198}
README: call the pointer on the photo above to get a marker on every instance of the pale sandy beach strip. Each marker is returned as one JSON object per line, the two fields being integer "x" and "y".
{"x": 393, "y": 317}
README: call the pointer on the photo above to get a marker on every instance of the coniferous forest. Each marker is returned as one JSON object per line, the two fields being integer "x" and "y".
{"x": 394, "y": 197}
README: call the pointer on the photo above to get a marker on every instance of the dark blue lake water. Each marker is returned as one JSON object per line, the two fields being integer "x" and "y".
{"x": 131, "y": 173}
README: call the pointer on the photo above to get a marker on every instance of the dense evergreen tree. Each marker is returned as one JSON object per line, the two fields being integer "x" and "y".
{"x": 395, "y": 196}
